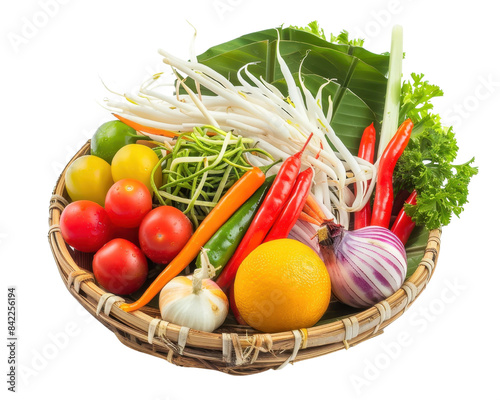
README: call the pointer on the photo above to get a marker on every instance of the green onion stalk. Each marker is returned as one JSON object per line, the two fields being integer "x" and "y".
{"x": 393, "y": 92}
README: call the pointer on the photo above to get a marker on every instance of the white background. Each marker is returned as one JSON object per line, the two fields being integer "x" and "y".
{"x": 52, "y": 59}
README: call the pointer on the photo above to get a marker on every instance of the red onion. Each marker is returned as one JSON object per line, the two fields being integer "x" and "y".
{"x": 305, "y": 233}
{"x": 366, "y": 265}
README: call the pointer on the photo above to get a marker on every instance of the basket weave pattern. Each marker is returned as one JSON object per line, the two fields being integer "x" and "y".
{"x": 231, "y": 349}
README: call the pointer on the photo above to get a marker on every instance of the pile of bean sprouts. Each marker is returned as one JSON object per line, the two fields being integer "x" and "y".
{"x": 257, "y": 110}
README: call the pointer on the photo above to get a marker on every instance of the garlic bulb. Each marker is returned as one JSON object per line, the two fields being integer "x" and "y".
{"x": 195, "y": 301}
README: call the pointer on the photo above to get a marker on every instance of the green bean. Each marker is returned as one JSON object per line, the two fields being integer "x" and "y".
{"x": 235, "y": 165}
{"x": 197, "y": 191}
{"x": 218, "y": 192}
{"x": 200, "y": 166}
{"x": 152, "y": 181}
{"x": 202, "y": 147}
{"x": 261, "y": 151}
{"x": 178, "y": 199}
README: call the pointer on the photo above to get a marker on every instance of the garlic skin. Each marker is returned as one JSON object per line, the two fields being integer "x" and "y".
{"x": 194, "y": 302}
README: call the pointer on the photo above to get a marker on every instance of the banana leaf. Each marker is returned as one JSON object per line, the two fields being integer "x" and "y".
{"x": 415, "y": 248}
{"x": 357, "y": 76}
{"x": 378, "y": 61}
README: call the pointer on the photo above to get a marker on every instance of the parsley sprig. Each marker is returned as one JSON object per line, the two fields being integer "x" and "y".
{"x": 427, "y": 164}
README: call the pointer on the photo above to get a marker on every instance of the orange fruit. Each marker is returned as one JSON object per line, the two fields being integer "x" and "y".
{"x": 282, "y": 285}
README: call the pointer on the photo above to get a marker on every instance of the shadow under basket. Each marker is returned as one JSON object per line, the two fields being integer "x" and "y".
{"x": 233, "y": 349}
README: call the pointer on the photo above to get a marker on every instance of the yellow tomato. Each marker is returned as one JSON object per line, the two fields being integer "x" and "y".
{"x": 136, "y": 161}
{"x": 88, "y": 178}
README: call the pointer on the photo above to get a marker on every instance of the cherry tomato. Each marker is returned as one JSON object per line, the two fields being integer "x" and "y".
{"x": 88, "y": 178}
{"x": 111, "y": 137}
{"x": 163, "y": 233}
{"x": 127, "y": 203}
{"x": 85, "y": 225}
{"x": 120, "y": 267}
{"x": 136, "y": 161}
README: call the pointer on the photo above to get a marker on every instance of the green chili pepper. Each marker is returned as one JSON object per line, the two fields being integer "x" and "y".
{"x": 221, "y": 246}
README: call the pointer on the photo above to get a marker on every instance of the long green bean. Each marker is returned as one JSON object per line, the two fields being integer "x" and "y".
{"x": 199, "y": 167}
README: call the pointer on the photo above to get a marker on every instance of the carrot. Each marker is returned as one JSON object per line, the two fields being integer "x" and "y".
{"x": 227, "y": 205}
{"x": 310, "y": 212}
{"x": 147, "y": 129}
{"x": 313, "y": 204}
{"x": 307, "y": 218}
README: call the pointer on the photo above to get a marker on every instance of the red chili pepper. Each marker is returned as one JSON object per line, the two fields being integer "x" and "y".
{"x": 363, "y": 217}
{"x": 399, "y": 200}
{"x": 293, "y": 207}
{"x": 382, "y": 205}
{"x": 266, "y": 215}
{"x": 403, "y": 225}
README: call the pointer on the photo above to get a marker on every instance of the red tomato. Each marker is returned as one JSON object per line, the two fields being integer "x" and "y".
{"x": 127, "y": 203}
{"x": 163, "y": 233}
{"x": 120, "y": 267}
{"x": 85, "y": 225}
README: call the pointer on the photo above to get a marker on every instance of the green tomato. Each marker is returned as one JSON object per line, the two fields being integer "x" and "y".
{"x": 111, "y": 137}
{"x": 136, "y": 161}
{"x": 88, "y": 178}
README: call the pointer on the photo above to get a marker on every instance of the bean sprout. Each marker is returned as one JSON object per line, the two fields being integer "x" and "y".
{"x": 258, "y": 112}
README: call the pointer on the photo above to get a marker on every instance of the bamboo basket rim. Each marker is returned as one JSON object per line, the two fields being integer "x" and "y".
{"x": 231, "y": 349}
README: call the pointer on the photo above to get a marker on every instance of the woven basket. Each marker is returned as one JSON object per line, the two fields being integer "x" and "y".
{"x": 232, "y": 349}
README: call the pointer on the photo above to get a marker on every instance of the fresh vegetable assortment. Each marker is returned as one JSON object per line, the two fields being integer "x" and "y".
{"x": 227, "y": 206}
{"x": 286, "y": 168}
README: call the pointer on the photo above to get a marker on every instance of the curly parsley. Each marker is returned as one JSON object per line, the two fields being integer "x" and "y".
{"x": 427, "y": 163}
